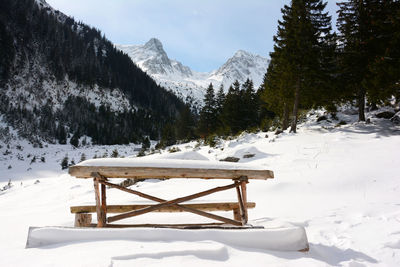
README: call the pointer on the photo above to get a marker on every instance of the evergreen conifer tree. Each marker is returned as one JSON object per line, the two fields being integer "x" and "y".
{"x": 297, "y": 63}
{"x": 369, "y": 57}
{"x": 208, "y": 115}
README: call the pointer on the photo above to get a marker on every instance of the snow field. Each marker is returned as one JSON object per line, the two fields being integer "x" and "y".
{"x": 340, "y": 183}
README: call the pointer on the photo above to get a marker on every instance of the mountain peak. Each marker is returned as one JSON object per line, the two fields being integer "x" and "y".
{"x": 154, "y": 44}
{"x": 241, "y": 53}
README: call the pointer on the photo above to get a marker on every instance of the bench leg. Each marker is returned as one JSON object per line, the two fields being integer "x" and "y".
{"x": 244, "y": 198}
{"x": 83, "y": 219}
{"x": 241, "y": 191}
{"x": 101, "y": 216}
{"x": 236, "y": 215}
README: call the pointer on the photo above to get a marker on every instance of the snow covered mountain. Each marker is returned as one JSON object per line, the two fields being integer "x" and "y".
{"x": 57, "y": 75}
{"x": 189, "y": 84}
{"x": 152, "y": 58}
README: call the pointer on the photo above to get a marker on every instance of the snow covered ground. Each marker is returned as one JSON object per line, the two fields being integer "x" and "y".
{"x": 341, "y": 183}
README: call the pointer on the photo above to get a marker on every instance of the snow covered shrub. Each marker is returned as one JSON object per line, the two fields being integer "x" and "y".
{"x": 141, "y": 153}
{"x": 115, "y": 153}
{"x": 174, "y": 149}
{"x": 64, "y": 163}
{"x": 83, "y": 157}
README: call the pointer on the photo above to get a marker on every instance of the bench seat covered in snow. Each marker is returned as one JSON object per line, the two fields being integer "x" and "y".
{"x": 102, "y": 170}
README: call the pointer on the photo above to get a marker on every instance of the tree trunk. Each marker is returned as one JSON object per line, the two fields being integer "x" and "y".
{"x": 295, "y": 107}
{"x": 285, "y": 122}
{"x": 361, "y": 105}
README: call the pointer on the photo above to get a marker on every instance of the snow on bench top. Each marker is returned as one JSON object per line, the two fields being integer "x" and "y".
{"x": 169, "y": 163}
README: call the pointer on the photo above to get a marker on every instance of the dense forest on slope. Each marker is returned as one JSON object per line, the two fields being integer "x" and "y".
{"x": 40, "y": 44}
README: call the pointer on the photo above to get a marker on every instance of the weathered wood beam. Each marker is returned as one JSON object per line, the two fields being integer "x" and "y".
{"x": 186, "y": 226}
{"x": 149, "y": 208}
{"x": 223, "y": 206}
{"x": 166, "y": 173}
{"x": 140, "y": 194}
{"x": 211, "y": 216}
{"x": 83, "y": 219}
{"x": 100, "y": 217}
{"x": 103, "y": 204}
{"x": 244, "y": 198}
{"x": 170, "y": 202}
{"x": 241, "y": 205}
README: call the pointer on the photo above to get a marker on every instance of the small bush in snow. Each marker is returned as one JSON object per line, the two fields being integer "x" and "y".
{"x": 7, "y": 186}
{"x": 174, "y": 149}
{"x": 115, "y": 153}
{"x": 211, "y": 140}
{"x": 141, "y": 153}
{"x": 64, "y": 163}
{"x": 83, "y": 157}
{"x": 341, "y": 123}
{"x": 43, "y": 159}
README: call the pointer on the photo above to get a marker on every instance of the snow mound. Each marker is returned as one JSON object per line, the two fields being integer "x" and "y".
{"x": 187, "y": 155}
{"x": 169, "y": 163}
{"x": 289, "y": 238}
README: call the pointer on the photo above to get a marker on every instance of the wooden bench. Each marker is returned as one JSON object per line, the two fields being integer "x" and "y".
{"x": 102, "y": 170}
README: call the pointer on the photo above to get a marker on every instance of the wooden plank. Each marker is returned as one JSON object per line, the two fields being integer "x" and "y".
{"x": 168, "y": 203}
{"x": 140, "y": 194}
{"x": 167, "y": 173}
{"x": 100, "y": 221}
{"x": 178, "y": 225}
{"x": 185, "y": 226}
{"x": 83, "y": 219}
{"x": 211, "y": 216}
{"x": 236, "y": 214}
{"x": 241, "y": 205}
{"x": 244, "y": 198}
{"x": 103, "y": 204}
{"x": 223, "y": 206}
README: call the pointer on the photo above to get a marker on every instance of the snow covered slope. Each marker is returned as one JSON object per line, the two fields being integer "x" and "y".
{"x": 189, "y": 84}
{"x": 339, "y": 182}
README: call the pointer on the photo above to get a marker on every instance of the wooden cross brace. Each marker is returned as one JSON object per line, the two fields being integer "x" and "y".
{"x": 101, "y": 207}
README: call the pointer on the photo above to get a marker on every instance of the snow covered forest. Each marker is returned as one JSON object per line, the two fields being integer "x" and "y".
{"x": 325, "y": 118}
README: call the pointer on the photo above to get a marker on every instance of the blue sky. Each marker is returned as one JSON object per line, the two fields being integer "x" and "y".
{"x": 201, "y": 34}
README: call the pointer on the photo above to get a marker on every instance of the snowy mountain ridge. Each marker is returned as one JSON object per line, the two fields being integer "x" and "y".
{"x": 187, "y": 83}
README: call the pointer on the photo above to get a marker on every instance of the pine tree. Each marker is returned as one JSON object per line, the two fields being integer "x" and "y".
{"x": 369, "y": 57}
{"x": 74, "y": 140}
{"x": 185, "y": 125}
{"x": 64, "y": 163}
{"x": 297, "y": 62}
{"x": 250, "y": 105}
{"x": 168, "y": 136}
{"x": 208, "y": 118}
{"x": 146, "y": 143}
{"x": 219, "y": 106}
{"x": 232, "y": 116}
